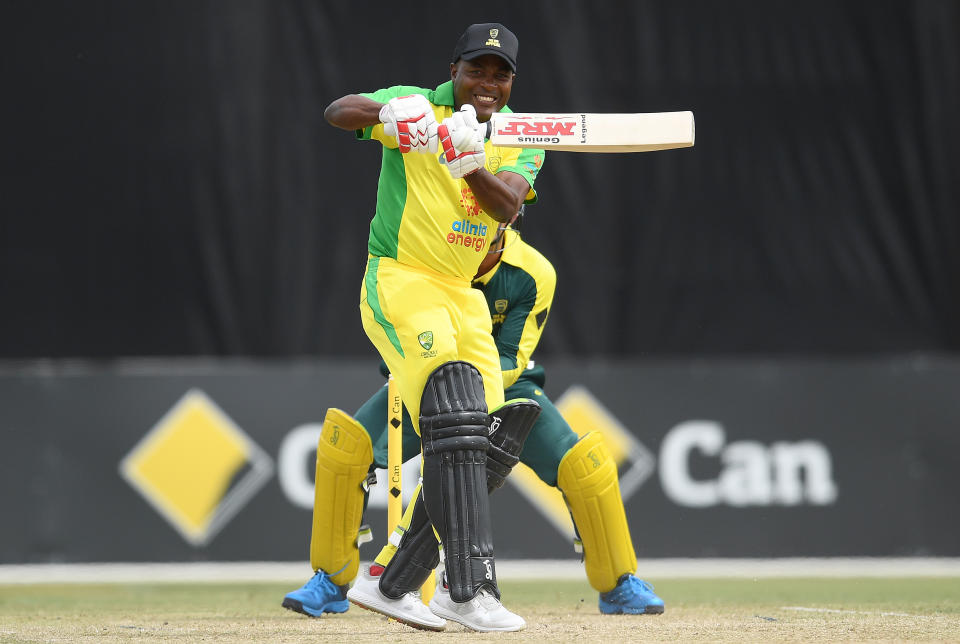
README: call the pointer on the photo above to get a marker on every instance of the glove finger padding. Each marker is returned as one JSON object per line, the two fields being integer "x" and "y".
{"x": 462, "y": 140}
{"x": 418, "y": 136}
{"x": 411, "y": 120}
{"x": 465, "y": 128}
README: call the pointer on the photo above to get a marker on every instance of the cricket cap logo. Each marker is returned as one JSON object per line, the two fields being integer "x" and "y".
{"x": 426, "y": 340}
{"x": 494, "y": 33}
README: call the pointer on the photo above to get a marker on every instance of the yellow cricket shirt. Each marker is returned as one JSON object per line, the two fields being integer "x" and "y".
{"x": 424, "y": 217}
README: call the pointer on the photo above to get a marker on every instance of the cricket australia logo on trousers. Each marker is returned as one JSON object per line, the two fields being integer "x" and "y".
{"x": 426, "y": 341}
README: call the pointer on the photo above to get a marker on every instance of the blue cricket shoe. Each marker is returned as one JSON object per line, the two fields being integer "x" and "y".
{"x": 318, "y": 596}
{"x": 631, "y": 596}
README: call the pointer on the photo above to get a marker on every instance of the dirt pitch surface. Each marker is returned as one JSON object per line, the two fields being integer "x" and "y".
{"x": 714, "y": 610}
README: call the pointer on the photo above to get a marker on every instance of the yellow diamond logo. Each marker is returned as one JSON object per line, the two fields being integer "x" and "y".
{"x": 197, "y": 468}
{"x": 585, "y": 413}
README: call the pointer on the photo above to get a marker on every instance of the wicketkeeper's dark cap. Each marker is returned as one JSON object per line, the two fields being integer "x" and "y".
{"x": 487, "y": 38}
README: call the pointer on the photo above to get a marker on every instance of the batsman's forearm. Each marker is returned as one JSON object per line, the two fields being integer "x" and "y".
{"x": 353, "y": 112}
{"x": 500, "y": 198}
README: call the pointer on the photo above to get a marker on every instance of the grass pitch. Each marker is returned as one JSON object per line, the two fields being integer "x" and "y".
{"x": 714, "y": 610}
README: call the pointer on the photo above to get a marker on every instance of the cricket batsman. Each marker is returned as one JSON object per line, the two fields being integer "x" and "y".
{"x": 432, "y": 228}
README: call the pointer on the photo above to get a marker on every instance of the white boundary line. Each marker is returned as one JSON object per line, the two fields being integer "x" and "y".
{"x": 650, "y": 569}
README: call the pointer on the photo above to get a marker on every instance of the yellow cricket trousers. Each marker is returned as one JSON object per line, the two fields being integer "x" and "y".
{"x": 418, "y": 320}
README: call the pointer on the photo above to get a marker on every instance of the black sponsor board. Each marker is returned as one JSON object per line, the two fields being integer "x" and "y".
{"x": 746, "y": 458}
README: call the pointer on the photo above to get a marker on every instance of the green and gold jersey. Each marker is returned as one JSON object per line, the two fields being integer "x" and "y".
{"x": 424, "y": 217}
{"x": 519, "y": 292}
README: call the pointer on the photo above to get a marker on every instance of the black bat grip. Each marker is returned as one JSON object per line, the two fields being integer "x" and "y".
{"x": 489, "y": 129}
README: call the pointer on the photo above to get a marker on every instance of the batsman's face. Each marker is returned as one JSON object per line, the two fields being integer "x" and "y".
{"x": 483, "y": 82}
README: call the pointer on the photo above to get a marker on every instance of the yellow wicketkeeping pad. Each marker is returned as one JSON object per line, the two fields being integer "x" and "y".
{"x": 344, "y": 455}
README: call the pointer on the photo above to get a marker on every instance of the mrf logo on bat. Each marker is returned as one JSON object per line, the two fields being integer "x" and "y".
{"x": 546, "y": 130}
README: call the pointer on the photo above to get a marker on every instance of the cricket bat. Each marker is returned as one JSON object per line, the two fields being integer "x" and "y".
{"x": 640, "y": 132}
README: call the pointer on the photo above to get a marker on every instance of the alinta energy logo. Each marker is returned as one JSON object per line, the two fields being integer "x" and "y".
{"x": 585, "y": 413}
{"x": 197, "y": 468}
{"x": 464, "y": 233}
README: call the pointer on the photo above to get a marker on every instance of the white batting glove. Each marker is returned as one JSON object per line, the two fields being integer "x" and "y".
{"x": 411, "y": 120}
{"x": 461, "y": 137}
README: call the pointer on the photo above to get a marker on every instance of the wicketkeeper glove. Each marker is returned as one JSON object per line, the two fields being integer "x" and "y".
{"x": 461, "y": 137}
{"x": 411, "y": 120}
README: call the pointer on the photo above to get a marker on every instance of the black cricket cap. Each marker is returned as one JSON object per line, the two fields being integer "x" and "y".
{"x": 487, "y": 38}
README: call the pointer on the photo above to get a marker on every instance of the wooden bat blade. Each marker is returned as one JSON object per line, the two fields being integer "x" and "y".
{"x": 584, "y": 132}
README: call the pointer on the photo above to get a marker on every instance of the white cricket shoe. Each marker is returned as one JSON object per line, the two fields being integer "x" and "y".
{"x": 407, "y": 610}
{"x": 483, "y": 613}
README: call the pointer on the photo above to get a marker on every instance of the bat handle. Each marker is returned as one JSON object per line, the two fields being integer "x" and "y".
{"x": 489, "y": 129}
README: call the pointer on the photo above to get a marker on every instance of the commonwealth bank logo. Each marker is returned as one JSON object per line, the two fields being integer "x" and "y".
{"x": 585, "y": 413}
{"x": 197, "y": 468}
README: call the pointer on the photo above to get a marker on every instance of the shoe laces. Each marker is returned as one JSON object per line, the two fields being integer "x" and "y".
{"x": 413, "y": 602}
{"x": 636, "y": 585}
{"x": 322, "y": 582}
{"x": 487, "y": 599}
{"x": 321, "y": 578}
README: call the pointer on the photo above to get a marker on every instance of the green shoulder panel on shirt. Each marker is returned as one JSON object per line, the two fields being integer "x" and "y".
{"x": 443, "y": 95}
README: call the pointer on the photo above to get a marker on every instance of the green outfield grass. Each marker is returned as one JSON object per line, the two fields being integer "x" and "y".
{"x": 718, "y": 610}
